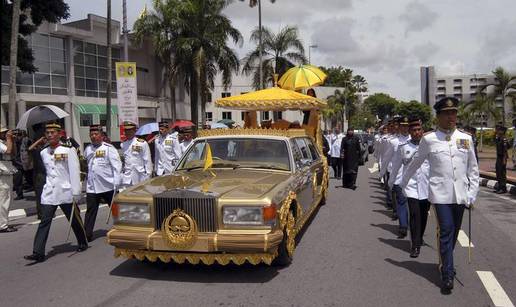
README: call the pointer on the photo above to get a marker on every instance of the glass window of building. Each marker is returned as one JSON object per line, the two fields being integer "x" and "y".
{"x": 209, "y": 116}
{"x": 265, "y": 115}
{"x": 226, "y": 94}
{"x": 90, "y": 62}
{"x": 226, "y": 115}
{"x": 51, "y": 63}
{"x": 86, "y": 120}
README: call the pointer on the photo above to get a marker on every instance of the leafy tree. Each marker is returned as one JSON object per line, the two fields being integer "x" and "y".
{"x": 382, "y": 105}
{"x": 280, "y": 52}
{"x": 416, "y": 108}
{"x": 504, "y": 86}
{"x": 483, "y": 107}
{"x": 32, "y": 14}
{"x": 360, "y": 83}
{"x": 363, "y": 119}
{"x": 337, "y": 76}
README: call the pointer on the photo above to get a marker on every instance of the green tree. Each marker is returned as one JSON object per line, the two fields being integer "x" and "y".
{"x": 504, "y": 87}
{"x": 415, "y": 108}
{"x": 161, "y": 26}
{"x": 382, "y": 105}
{"x": 280, "y": 52}
{"x": 32, "y": 14}
{"x": 337, "y": 76}
{"x": 483, "y": 108}
{"x": 363, "y": 119}
{"x": 360, "y": 83}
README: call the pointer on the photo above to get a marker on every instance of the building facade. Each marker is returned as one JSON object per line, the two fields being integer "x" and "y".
{"x": 71, "y": 62}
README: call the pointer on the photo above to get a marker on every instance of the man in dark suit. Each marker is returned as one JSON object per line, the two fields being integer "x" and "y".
{"x": 350, "y": 155}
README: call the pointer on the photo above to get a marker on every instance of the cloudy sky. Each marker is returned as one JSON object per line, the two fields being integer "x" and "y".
{"x": 385, "y": 41}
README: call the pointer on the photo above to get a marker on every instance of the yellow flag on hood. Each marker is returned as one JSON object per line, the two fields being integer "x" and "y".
{"x": 208, "y": 160}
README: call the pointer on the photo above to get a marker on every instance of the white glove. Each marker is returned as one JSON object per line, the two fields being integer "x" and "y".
{"x": 76, "y": 198}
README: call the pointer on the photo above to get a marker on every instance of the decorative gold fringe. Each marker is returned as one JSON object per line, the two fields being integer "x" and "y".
{"x": 196, "y": 258}
{"x": 253, "y": 131}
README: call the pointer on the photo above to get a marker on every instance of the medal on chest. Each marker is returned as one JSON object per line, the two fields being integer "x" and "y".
{"x": 60, "y": 157}
{"x": 136, "y": 148}
{"x": 168, "y": 142}
{"x": 100, "y": 153}
{"x": 463, "y": 143}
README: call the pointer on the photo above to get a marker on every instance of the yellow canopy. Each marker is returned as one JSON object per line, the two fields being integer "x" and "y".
{"x": 302, "y": 76}
{"x": 273, "y": 98}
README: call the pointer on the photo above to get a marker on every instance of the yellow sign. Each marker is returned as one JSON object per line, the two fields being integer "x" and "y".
{"x": 125, "y": 69}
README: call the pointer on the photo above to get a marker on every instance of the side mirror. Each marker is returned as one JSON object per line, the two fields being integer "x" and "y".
{"x": 303, "y": 163}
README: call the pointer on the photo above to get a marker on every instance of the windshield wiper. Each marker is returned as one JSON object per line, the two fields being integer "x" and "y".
{"x": 190, "y": 168}
{"x": 263, "y": 167}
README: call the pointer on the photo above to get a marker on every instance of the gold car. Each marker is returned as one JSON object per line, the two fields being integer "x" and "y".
{"x": 260, "y": 190}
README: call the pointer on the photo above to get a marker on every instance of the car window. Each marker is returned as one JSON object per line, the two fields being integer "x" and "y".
{"x": 303, "y": 148}
{"x": 313, "y": 151}
{"x": 239, "y": 152}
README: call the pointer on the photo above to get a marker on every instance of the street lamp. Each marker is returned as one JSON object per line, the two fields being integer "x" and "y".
{"x": 309, "y": 52}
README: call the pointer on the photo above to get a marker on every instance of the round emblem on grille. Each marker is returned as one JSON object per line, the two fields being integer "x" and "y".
{"x": 179, "y": 229}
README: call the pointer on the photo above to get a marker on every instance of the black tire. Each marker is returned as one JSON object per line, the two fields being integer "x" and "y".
{"x": 283, "y": 259}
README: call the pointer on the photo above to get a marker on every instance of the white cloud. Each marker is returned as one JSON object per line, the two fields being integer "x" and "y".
{"x": 417, "y": 17}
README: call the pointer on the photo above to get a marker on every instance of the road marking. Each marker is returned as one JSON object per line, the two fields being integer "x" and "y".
{"x": 17, "y": 213}
{"x": 62, "y": 215}
{"x": 494, "y": 289}
{"x": 463, "y": 239}
{"x": 507, "y": 198}
{"x": 373, "y": 169}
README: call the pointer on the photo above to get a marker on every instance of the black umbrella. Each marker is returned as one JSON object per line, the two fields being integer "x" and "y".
{"x": 40, "y": 114}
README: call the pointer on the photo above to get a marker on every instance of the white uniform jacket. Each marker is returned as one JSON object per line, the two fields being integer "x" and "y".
{"x": 389, "y": 149}
{"x": 63, "y": 179}
{"x": 417, "y": 186}
{"x": 104, "y": 168}
{"x": 397, "y": 165}
{"x": 184, "y": 146}
{"x": 167, "y": 153}
{"x": 335, "y": 146}
{"x": 137, "y": 161}
{"x": 453, "y": 175}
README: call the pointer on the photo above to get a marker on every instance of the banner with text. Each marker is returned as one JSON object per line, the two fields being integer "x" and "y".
{"x": 126, "y": 92}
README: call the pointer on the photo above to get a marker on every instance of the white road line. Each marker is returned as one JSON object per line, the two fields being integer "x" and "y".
{"x": 507, "y": 198}
{"x": 62, "y": 215}
{"x": 17, "y": 213}
{"x": 494, "y": 289}
{"x": 463, "y": 239}
{"x": 373, "y": 169}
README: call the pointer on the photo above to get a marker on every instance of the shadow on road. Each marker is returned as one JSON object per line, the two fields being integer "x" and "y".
{"x": 403, "y": 245}
{"x": 200, "y": 273}
{"x": 387, "y": 213}
{"x": 429, "y": 271}
{"x": 387, "y": 227}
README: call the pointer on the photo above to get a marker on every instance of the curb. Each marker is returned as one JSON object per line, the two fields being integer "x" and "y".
{"x": 487, "y": 179}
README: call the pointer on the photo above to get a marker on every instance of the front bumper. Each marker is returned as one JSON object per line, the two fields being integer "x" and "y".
{"x": 208, "y": 247}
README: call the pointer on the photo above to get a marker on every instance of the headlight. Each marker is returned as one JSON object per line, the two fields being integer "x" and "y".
{"x": 131, "y": 213}
{"x": 232, "y": 215}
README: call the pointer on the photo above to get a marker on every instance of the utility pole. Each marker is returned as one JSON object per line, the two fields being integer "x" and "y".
{"x": 309, "y": 53}
{"x": 13, "y": 63}
{"x": 124, "y": 30}
{"x": 260, "y": 47}
{"x": 109, "y": 65}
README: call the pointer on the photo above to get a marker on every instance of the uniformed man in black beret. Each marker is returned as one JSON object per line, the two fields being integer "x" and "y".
{"x": 502, "y": 153}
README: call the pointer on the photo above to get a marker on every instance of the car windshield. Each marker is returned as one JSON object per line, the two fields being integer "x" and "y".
{"x": 239, "y": 153}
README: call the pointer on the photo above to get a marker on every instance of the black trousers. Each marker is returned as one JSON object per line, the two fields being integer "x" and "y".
{"x": 336, "y": 164}
{"x": 501, "y": 174}
{"x": 92, "y": 202}
{"x": 418, "y": 216}
{"x": 18, "y": 182}
{"x": 47, "y": 214}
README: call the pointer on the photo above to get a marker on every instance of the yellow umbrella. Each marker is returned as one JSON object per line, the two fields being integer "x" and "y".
{"x": 273, "y": 98}
{"x": 302, "y": 76}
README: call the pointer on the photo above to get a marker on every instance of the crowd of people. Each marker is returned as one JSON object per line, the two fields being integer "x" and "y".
{"x": 438, "y": 167}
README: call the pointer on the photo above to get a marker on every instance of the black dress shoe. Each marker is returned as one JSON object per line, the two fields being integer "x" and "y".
{"x": 9, "y": 229}
{"x": 394, "y": 217}
{"x": 414, "y": 253}
{"x": 18, "y": 197}
{"x": 89, "y": 238}
{"x": 501, "y": 192}
{"x": 447, "y": 286}
{"x": 402, "y": 233}
{"x": 35, "y": 257}
{"x": 82, "y": 248}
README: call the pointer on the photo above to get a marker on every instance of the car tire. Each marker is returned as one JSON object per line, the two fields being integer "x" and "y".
{"x": 284, "y": 258}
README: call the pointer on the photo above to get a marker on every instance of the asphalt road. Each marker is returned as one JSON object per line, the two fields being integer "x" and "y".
{"x": 348, "y": 256}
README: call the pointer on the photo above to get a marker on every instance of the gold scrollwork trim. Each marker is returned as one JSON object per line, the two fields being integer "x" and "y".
{"x": 253, "y": 131}
{"x": 271, "y": 104}
{"x": 285, "y": 208}
{"x": 196, "y": 258}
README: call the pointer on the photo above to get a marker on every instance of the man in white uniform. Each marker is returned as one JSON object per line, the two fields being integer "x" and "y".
{"x": 137, "y": 157}
{"x": 453, "y": 180}
{"x": 62, "y": 188}
{"x": 187, "y": 140}
{"x": 104, "y": 171}
{"x": 395, "y": 176}
{"x": 416, "y": 190}
{"x": 336, "y": 161}
{"x": 7, "y": 171}
{"x": 388, "y": 142}
{"x": 167, "y": 150}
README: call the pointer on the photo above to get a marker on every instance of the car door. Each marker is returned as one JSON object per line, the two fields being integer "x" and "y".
{"x": 305, "y": 175}
{"x": 316, "y": 170}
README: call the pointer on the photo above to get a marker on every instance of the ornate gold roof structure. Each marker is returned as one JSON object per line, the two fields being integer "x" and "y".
{"x": 253, "y": 131}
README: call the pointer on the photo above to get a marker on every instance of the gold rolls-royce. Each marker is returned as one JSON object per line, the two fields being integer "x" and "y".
{"x": 236, "y": 195}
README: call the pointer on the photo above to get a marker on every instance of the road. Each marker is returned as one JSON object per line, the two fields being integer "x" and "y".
{"x": 348, "y": 256}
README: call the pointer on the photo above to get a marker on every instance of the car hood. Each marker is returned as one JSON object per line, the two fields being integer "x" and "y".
{"x": 228, "y": 184}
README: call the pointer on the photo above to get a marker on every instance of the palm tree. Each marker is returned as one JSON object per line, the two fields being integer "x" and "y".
{"x": 161, "y": 27}
{"x": 360, "y": 83}
{"x": 483, "y": 107}
{"x": 504, "y": 87}
{"x": 202, "y": 50}
{"x": 281, "y": 51}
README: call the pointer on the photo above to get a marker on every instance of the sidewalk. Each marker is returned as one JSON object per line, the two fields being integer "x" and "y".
{"x": 487, "y": 164}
